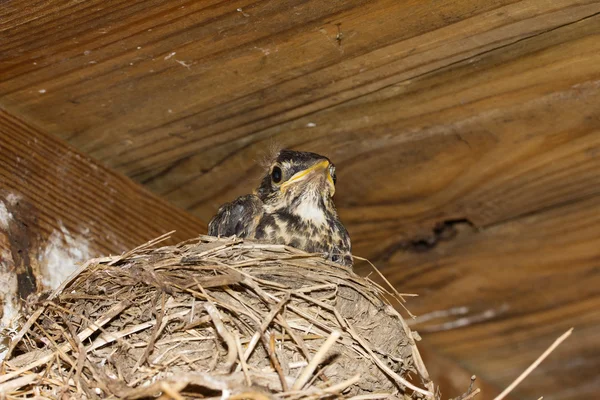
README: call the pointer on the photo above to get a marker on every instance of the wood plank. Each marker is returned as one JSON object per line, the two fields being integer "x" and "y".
{"x": 467, "y": 107}
{"x": 496, "y": 298}
{"x": 249, "y": 73}
{"x": 59, "y": 207}
{"x": 487, "y": 140}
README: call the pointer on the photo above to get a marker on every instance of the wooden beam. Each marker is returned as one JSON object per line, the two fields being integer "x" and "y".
{"x": 183, "y": 97}
{"x": 59, "y": 207}
{"x": 496, "y": 298}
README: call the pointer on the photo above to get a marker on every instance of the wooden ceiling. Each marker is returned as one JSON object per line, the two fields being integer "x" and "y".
{"x": 466, "y": 136}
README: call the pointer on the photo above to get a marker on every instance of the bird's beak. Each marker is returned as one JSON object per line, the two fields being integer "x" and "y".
{"x": 319, "y": 169}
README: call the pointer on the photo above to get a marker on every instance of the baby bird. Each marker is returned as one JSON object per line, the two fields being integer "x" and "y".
{"x": 292, "y": 206}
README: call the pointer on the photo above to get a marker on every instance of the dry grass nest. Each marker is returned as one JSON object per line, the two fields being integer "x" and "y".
{"x": 215, "y": 318}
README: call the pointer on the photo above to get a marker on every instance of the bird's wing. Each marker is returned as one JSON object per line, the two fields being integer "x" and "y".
{"x": 342, "y": 249}
{"x": 237, "y": 218}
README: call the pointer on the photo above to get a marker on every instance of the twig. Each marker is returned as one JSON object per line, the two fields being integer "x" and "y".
{"x": 384, "y": 367}
{"x": 297, "y": 339}
{"x": 107, "y": 338}
{"x": 238, "y": 345}
{"x": 223, "y": 332}
{"x": 533, "y": 366}
{"x": 417, "y": 359}
{"x": 249, "y": 395}
{"x": 264, "y": 325}
{"x": 156, "y": 331}
{"x": 24, "y": 380}
{"x": 341, "y": 386}
{"x": 472, "y": 394}
{"x": 343, "y": 322}
{"x": 274, "y": 362}
{"x": 316, "y": 360}
{"x": 149, "y": 243}
{"x": 374, "y": 396}
{"x": 24, "y": 329}
{"x": 87, "y": 332}
{"x": 172, "y": 391}
{"x": 394, "y": 290}
{"x": 81, "y": 356}
{"x": 60, "y": 351}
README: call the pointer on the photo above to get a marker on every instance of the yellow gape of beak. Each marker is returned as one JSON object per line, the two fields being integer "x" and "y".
{"x": 321, "y": 166}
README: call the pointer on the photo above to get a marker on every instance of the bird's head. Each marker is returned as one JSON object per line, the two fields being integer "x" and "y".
{"x": 297, "y": 176}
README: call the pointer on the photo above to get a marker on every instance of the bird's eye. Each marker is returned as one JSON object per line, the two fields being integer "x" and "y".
{"x": 276, "y": 174}
{"x": 332, "y": 173}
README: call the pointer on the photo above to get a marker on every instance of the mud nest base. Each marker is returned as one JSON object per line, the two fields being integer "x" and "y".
{"x": 215, "y": 318}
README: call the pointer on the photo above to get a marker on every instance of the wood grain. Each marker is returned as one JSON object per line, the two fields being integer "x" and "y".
{"x": 465, "y": 106}
{"x": 169, "y": 125}
{"x": 58, "y": 206}
{"x": 458, "y": 128}
{"x": 497, "y": 298}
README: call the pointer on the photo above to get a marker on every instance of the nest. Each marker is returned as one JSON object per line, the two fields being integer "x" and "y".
{"x": 215, "y": 318}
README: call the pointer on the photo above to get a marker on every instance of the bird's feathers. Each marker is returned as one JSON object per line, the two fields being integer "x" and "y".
{"x": 293, "y": 206}
{"x": 237, "y": 218}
